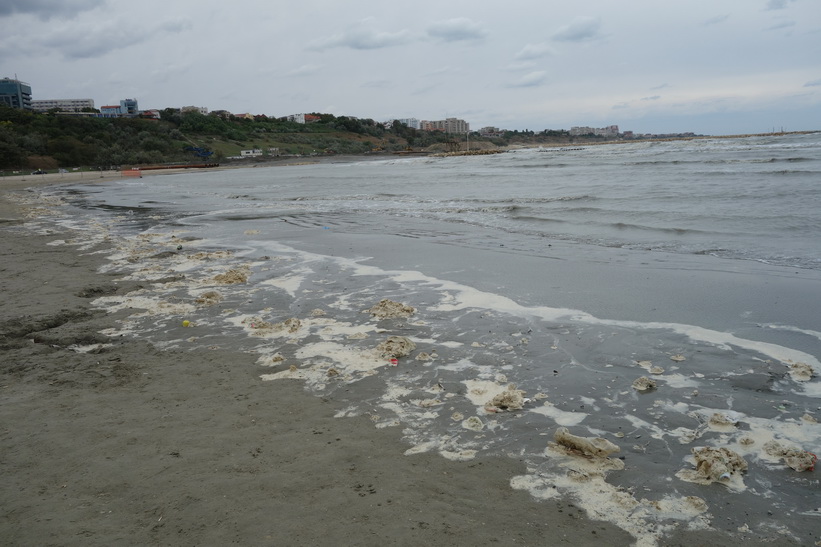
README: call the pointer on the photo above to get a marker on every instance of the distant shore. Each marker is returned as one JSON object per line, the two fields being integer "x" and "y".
{"x": 20, "y": 181}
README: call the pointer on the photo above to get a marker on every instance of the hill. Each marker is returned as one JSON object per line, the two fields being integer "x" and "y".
{"x": 50, "y": 141}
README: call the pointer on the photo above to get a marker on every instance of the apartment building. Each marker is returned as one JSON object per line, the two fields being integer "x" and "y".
{"x": 63, "y": 105}
{"x": 448, "y": 125}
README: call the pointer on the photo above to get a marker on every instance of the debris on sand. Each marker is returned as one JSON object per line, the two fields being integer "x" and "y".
{"x": 721, "y": 422}
{"x": 318, "y": 313}
{"x": 588, "y": 446}
{"x": 387, "y": 309}
{"x": 509, "y": 399}
{"x": 801, "y": 372}
{"x": 234, "y": 276}
{"x": 644, "y": 383}
{"x": 474, "y": 423}
{"x": 395, "y": 347}
{"x": 257, "y": 323}
{"x": 678, "y": 358}
{"x": 649, "y": 367}
{"x": 720, "y": 465}
{"x": 291, "y": 325}
{"x": 795, "y": 458}
{"x": 209, "y": 298}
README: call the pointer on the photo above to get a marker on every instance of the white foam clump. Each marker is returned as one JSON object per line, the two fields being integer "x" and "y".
{"x": 646, "y": 520}
{"x": 150, "y": 305}
{"x": 353, "y": 361}
{"x": 561, "y": 417}
{"x": 289, "y": 284}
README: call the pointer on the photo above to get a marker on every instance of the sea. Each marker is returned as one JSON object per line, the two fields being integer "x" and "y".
{"x": 657, "y": 300}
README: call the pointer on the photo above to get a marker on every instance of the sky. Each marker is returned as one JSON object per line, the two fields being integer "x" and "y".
{"x": 649, "y": 66}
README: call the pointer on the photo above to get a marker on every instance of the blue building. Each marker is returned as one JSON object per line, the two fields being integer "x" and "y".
{"x": 127, "y": 109}
{"x": 15, "y": 94}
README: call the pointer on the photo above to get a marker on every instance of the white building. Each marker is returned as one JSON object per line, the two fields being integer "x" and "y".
{"x": 256, "y": 152}
{"x": 63, "y": 105}
{"x": 609, "y": 131}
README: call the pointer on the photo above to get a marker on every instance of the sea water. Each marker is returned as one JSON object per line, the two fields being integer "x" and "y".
{"x": 564, "y": 273}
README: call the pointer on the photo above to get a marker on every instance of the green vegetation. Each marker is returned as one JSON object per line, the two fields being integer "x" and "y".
{"x": 51, "y": 140}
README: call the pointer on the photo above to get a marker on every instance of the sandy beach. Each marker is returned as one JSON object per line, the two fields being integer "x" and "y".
{"x": 132, "y": 445}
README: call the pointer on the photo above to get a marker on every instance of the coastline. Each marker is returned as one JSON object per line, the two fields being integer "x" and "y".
{"x": 137, "y": 445}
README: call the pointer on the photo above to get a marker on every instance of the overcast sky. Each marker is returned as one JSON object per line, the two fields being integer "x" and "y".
{"x": 707, "y": 66}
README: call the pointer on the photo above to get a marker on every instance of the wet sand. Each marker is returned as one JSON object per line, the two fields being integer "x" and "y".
{"x": 134, "y": 445}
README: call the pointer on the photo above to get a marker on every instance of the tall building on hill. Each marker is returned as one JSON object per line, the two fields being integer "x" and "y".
{"x": 449, "y": 125}
{"x": 15, "y": 94}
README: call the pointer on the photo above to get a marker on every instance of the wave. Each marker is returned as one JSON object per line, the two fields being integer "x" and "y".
{"x": 664, "y": 230}
{"x": 535, "y": 200}
{"x": 540, "y": 166}
{"x": 718, "y": 161}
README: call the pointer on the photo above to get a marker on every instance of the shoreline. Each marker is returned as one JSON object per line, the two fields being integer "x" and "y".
{"x": 145, "y": 446}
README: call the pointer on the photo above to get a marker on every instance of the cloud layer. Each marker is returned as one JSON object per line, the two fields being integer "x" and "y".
{"x": 644, "y": 66}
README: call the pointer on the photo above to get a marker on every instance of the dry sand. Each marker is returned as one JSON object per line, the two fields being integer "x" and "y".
{"x": 136, "y": 446}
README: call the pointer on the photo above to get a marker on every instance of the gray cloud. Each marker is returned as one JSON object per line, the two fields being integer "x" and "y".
{"x": 653, "y": 98}
{"x": 362, "y": 36}
{"x": 304, "y": 70}
{"x": 47, "y": 9}
{"x": 460, "y": 29}
{"x": 377, "y": 84}
{"x": 814, "y": 83}
{"x": 531, "y": 79}
{"x": 717, "y": 19}
{"x": 581, "y": 29}
{"x": 782, "y": 25}
{"x": 113, "y": 36}
{"x": 534, "y": 51}
{"x": 777, "y": 4}
{"x": 662, "y": 86}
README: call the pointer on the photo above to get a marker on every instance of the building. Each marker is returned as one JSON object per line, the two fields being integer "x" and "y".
{"x": 491, "y": 132}
{"x": 256, "y": 152}
{"x": 302, "y": 118}
{"x": 609, "y": 131}
{"x": 201, "y": 109}
{"x": 63, "y": 105}
{"x": 449, "y": 125}
{"x": 15, "y": 94}
{"x": 413, "y": 123}
{"x": 153, "y": 114}
{"x": 126, "y": 109}
{"x": 129, "y": 107}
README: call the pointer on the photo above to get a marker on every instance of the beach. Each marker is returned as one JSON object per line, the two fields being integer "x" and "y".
{"x": 129, "y": 428}
{"x": 136, "y": 446}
